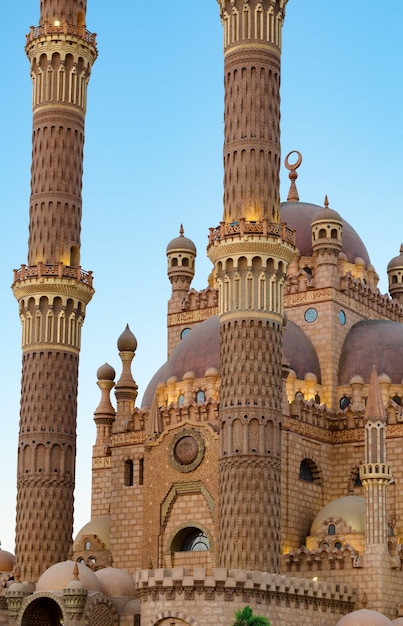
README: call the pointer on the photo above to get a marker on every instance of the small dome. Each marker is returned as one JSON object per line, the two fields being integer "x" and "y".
{"x": 364, "y": 617}
{"x": 116, "y": 582}
{"x": 357, "y": 380}
{"x": 7, "y": 561}
{"x": 127, "y": 342}
{"x": 299, "y": 215}
{"x": 181, "y": 243}
{"x": 326, "y": 214}
{"x": 106, "y": 372}
{"x": 351, "y": 509}
{"x": 58, "y": 577}
{"x": 397, "y": 261}
{"x": 371, "y": 343}
{"x": 99, "y": 526}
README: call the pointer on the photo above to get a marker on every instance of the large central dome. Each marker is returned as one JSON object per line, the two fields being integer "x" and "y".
{"x": 200, "y": 350}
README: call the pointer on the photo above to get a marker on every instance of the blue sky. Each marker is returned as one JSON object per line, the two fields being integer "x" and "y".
{"x": 153, "y": 159}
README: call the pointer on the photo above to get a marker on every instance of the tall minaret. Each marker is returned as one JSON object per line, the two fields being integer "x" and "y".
{"x": 52, "y": 289}
{"x": 250, "y": 251}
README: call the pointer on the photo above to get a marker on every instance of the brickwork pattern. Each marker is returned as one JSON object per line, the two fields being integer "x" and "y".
{"x": 250, "y": 513}
{"x": 250, "y": 445}
{"x": 46, "y": 460}
{"x": 70, "y": 11}
{"x": 162, "y": 488}
{"x": 250, "y": 364}
{"x": 56, "y": 187}
{"x": 126, "y": 508}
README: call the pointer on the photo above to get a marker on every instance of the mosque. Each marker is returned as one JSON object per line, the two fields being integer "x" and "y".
{"x": 262, "y": 465}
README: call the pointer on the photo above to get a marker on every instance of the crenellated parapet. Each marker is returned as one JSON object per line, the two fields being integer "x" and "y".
{"x": 167, "y": 586}
{"x": 324, "y": 558}
{"x": 382, "y": 304}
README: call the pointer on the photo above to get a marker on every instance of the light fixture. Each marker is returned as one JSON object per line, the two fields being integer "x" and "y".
{"x": 315, "y": 579}
{"x": 56, "y": 23}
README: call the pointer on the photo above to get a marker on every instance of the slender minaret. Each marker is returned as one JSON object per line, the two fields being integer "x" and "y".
{"x": 375, "y": 473}
{"x": 52, "y": 289}
{"x": 250, "y": 251}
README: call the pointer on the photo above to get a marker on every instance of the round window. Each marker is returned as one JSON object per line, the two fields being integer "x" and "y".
{"x": 311, "y": 315}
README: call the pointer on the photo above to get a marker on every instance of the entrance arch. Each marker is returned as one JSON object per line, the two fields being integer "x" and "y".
{"x": 42, "y": 611}
{"x": 169, "y": 617}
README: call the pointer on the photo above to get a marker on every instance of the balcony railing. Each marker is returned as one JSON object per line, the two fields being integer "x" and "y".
{"x": 57, "y": 271}
{"x": 265, "y": 228}
{"x": 36, "y": 32}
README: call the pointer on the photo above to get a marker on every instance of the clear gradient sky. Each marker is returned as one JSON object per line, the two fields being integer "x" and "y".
{"x": 153, "y": 159}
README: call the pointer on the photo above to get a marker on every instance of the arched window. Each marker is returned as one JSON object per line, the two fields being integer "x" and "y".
{"x": 141, "y": 471}
{"x": 305, "y": 472}
{"x": 344, "y": 402}
{"x": 190, "y": 540}
{"x": 331, "y": 529}
{"x": 200, "y": 396}
{"x": 181, "y": 400}
{"x": 309, "y": 471}
{"x": 129, "y": 473}
{"x": 397, "y": 400}
{"x": 87, "y": 545}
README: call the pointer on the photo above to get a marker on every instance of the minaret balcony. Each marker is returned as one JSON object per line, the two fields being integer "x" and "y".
{"x": 246, "y": 228}
{"x": 381, "y": 471}
{"x": 41, "y": 270}
{"x": 36, "y": 32}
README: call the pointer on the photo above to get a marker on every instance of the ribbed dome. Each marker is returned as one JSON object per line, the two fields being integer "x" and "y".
{"x": 199, "y": 351}
{"x": 58, "y": 577}
{"x": 116, "y": 582}
{"x": 372, "y": 342}
{"x": 364, "y": 617}
{"x": 299, "y": 215}
{"x": 351, "y": 509}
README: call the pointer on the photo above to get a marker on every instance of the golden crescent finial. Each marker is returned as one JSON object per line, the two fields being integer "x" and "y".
{"x": 292, "y": 167}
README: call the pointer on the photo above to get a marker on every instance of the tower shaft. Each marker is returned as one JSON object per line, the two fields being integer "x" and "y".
{"x": 250, "y": 251}
{"x": 252, "y": 46}
{"x": 52, "y": 289}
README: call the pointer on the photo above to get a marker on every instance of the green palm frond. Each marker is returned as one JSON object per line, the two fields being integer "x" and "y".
{"x": 245, "y": 617}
